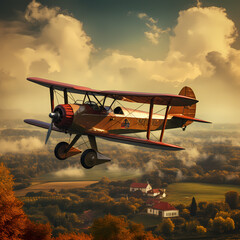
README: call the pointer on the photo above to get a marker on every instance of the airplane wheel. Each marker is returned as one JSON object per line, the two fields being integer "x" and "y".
{"x": 89, "y": 158}
{"x": 60, "y": 150}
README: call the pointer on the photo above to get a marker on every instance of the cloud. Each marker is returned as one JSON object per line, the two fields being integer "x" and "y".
{"x": 24, "y": 145}
{"x": 190, "y": 156}
{"x": 115, "y": 168}
{"x": 69, "y": 172}
{"x": 48, "y": 44}
{"x": 154, "y": 32}
{"x": 37, "y": 12}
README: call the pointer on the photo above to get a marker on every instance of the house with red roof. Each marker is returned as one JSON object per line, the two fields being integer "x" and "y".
{"x": 163, "y": 209}
{"x": 144, "y": 187}
{"x": 160, "y": 193}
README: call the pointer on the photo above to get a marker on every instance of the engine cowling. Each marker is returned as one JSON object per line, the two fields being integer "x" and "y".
{"x": 65, "y": 116}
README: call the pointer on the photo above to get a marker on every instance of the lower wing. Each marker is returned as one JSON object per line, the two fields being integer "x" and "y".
{"x": 135, "y": 141}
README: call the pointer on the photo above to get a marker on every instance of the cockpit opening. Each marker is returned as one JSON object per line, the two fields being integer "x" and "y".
{"x": 118, "y": 110}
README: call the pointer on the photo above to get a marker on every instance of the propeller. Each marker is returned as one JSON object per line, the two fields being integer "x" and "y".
{"x": 55, "y": 117}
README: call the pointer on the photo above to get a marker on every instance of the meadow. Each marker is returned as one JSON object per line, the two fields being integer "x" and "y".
{"x": 183, "y": 192}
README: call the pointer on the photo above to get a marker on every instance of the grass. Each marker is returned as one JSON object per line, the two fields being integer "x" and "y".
{"x": 183, "y": 192}
{"x": 45, "y": 187}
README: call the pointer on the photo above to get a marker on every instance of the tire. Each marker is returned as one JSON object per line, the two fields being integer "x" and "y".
{"x": 88, "y": 158}
{"x": 60, "y": 150}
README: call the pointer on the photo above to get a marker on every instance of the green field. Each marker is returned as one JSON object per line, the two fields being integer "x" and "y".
{"x": 183, "y": 192}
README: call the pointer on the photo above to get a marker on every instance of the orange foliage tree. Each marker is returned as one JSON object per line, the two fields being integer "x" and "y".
{"x": 117, "y": 228}
{"x": 12, "y": 217}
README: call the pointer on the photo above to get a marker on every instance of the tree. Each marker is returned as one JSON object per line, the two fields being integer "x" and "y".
{"x": 36, "y": 231}
{"x": 12, "y": 217}
{"x": 201, "y": 230}
{"x": 193, "y": 207}
{"x": 219, "y": 225}
{"x": 229, "y": 224}
{"x": 166, "y": 226}
{"x": 117, "y": 228}
{"x": 109, "y": 227}
{"x": 232, "y": 199}
{"x": 75, "y": 236}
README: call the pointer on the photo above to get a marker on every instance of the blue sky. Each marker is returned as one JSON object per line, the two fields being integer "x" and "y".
{"x": 138, "y": 45}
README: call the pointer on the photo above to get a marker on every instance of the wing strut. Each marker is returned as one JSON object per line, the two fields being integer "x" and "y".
{"x": 52, "y": 98}
{"x": 65, "y": 96}
{"x": 150, "y": 118}
{"x": 164, "y": 123}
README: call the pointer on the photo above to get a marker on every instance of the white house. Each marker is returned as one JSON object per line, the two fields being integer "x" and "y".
{"x": 163, "y": 209}
{"x": 159, "y": 193}
{"x": 144, "y": 187}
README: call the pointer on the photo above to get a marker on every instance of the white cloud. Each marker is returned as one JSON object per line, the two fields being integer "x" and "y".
{"x": 24, "y": 145}
{"x": 154, "y": 32}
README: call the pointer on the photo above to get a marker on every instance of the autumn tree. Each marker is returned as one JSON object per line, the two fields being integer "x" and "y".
{"x": 166, "y": 226}
{"x": 74, "y": 236}
{"x": 37, "y": 231}
{"x": 14, "y": 224}
{"x": 117, "y": 228}
{"x": 232, "y": 199}
{"x": 193, "y": 207}
{"x": 12, "y": 217}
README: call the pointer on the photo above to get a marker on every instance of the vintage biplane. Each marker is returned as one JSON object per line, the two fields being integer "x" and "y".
{"x": 94, "y": 119}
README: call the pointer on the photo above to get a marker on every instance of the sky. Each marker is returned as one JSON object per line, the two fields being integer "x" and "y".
{"x": 138, "y": 45}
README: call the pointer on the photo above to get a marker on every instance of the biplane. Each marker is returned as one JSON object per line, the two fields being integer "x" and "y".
{"x": 93, "y": 118}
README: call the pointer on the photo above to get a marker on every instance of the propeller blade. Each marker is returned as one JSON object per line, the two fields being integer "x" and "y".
{"x": 49, "y": 132}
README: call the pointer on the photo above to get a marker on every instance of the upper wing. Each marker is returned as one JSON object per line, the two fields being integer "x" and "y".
{"x": 138, "y": 97}
{"x": 135, "y": 141}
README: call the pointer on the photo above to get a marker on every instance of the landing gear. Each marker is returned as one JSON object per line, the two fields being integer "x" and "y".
{"x": 89, "y": 158}
{"x": 60, "y": 150}
{"x": 64, "y": 150}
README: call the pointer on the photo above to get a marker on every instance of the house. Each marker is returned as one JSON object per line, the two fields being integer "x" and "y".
{"x": 160, "y": 193}
{"x": 163, "y": 209}
{"x": 144, "y": 187}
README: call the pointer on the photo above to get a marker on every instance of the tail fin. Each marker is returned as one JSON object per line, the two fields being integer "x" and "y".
{"x": 188, "y": 111}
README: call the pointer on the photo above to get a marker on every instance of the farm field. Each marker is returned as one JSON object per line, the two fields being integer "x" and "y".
{"x": 183, "y": 192}
{"x": 52, "y": 185}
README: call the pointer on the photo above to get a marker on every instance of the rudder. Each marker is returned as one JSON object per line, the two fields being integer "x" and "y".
{"x": 189, "y": 111}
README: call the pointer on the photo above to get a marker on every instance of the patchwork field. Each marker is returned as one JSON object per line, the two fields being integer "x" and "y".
{"x": 53, "y": 185}
{"x": 183, "y": 192}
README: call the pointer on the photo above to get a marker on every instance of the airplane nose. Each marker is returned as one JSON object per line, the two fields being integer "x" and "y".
{"x": 55, "y": 116}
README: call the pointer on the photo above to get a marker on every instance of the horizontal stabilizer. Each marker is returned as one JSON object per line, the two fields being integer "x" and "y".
{"x": 135, "y": 141}
{"x": 41, "y": 124}
{"x": 190, "y": 118}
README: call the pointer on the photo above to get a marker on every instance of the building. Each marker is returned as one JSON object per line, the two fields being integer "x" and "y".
{"x": 144, "y": 187}
{"x": 163, "y": 209}
{"x": 160, "y": 193}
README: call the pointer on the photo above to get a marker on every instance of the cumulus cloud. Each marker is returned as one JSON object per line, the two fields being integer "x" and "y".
{"x": 49, "y": 43}
{"x": 24, "y": 145}
{"x": 69, "y": 172}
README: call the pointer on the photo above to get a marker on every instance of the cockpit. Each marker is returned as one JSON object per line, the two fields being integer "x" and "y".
{"x": 98, "y": 107}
